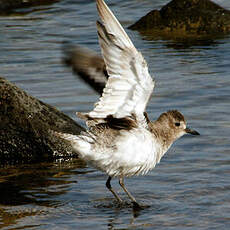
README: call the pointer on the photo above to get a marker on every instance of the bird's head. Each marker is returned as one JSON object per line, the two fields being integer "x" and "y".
{"x": 175, "y": 123}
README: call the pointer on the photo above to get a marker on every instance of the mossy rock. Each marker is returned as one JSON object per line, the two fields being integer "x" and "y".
{"x": 185, "y": 19}
{"x": 25, "y": 124}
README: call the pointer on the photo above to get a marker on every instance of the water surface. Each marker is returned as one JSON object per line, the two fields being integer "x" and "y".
{"x": 189, "y": 189}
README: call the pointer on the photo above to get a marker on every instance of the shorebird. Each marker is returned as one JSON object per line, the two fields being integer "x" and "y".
{"x": 121, "y": 140}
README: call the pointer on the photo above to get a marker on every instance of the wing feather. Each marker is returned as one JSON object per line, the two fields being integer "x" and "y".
{"x": 88, "y": 65}
{"x": 129, "y": 85}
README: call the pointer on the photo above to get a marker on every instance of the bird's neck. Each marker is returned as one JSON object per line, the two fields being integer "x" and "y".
{"x": 163, "y": 134}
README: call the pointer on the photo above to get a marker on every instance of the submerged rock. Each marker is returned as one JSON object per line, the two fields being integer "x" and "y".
{"x": 185, "y": 18}
{"x": 8, "y": 5}
{"x": 25, "y": 124}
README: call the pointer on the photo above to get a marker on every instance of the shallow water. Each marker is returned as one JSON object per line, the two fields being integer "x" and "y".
{"x": 189, "y": 189}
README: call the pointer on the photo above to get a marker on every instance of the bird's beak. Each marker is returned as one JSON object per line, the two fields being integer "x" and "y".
{"x": 191, "y": 131}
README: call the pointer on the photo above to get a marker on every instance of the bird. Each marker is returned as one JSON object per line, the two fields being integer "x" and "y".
{"x": 120, "y": 139}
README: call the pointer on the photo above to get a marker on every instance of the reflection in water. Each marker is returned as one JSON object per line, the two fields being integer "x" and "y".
{"x": 185, "y": 43}
{"x": 39, "y": 191}
{"x": 35, "y": 185}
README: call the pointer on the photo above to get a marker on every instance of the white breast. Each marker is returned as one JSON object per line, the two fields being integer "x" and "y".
{"x": 134, "y": 152}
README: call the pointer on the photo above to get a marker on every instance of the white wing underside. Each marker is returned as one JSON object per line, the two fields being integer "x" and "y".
{"x": 129, "y": 86}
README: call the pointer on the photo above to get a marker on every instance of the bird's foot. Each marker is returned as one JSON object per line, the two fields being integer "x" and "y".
{"x": 136, "y": 206}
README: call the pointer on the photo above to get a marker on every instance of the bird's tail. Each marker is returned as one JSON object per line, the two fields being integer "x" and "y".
{"x": 80, "y": 143}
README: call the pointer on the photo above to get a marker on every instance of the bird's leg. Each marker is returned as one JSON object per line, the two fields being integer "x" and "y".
{"x": 121, "y": 182}
{"x": 108, "y": 185}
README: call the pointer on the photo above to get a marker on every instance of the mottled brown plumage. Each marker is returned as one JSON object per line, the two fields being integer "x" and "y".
{"x": 121, "y": 140}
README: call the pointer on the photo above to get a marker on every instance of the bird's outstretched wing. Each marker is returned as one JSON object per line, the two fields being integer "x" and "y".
{"x": 129, "y": 86}
{"x": 87, "y": 64}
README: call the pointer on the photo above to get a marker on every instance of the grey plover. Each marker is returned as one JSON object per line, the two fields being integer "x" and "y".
{"x": 121, "y": 140}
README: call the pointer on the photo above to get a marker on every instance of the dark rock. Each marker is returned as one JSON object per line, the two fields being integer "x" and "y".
{"x": 25, "y": 125}
{"x": 8, "y": 5}
{"x": 185, "y": 18}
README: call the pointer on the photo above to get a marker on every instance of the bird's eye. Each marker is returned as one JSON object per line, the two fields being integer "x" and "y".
{"x": 177, "y": 124}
